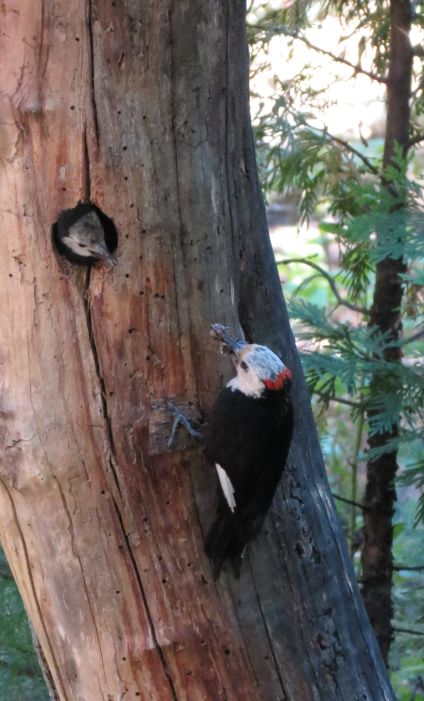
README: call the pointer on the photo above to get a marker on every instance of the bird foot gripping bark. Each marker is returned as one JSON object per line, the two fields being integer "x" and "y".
{"x": 228, "y": 343}
{"x": 181, "y": 419}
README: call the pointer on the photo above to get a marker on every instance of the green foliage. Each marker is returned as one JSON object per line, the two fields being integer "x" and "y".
{"x": 20, "y": 674}
{"x": 370, "y": 214}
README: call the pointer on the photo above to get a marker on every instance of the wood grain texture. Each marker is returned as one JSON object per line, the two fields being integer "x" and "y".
{"x": 142, "y": 107}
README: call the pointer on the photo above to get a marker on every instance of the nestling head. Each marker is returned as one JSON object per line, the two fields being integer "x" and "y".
{"x": 85, "y": 235}
{"x": 257, "y": 367}
{"x": 86, "y": 238}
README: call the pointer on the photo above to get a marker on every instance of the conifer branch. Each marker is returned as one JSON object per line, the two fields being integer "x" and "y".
{"x": 417, "y": 139}
{"x": 339, "y": 59}
{"x": 350, "y": 502}
{"x": 373, "y": 169}
{"x": 410, "y": 631}
{"x": 413, "y": 338}
{"x": 327, "y": 276}
{"x": 339, "y": 400}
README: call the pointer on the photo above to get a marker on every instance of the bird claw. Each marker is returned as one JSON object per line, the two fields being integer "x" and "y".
{"x": 228, "y": 343}
{"x": 181, "y": 419}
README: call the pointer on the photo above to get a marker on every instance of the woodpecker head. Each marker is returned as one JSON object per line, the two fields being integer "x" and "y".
{"x": 80, "y": 236}
{"x": 257, "y": 368}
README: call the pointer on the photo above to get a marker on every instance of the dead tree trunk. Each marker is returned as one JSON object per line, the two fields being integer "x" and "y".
{"x": 142, "y": 108}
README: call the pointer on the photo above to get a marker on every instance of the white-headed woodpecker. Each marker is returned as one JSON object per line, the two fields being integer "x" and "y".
{"x": 248, "y": 440}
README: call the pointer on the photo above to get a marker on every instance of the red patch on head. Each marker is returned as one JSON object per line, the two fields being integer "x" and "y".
{"x": 280, "y": 380}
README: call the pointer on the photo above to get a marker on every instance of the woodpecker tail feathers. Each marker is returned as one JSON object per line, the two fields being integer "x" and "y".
{"x": 223, "y": 541}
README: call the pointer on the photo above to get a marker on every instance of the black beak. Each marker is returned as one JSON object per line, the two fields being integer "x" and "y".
{"x": 101, "y": 252}
{"x": 229, "y": 344}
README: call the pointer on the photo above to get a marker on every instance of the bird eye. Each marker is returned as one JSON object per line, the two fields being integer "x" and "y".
{"x": 82, "y": 245}
{"x": 244, "y": 365}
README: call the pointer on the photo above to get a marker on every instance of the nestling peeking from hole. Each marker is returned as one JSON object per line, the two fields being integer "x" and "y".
{"x": 85, "y": 235}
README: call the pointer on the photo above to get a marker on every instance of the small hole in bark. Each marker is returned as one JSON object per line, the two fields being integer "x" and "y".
{"x": 300, "y": 550}
{"x": 266, "y": 657}
{"x": 227, "y": 652}
{"x": 77, "y": 38}
{"x": 119, "y": 112}
{"x": 125, "y": 148}
{"x": 102, "y": 491}
{"x": 72, "y": 107}
{"x": 126, "y": 177}
{"x": 322, "y": 641}
{"x": 127, "y": 275}
{"x": 188, "y": 564}
{"x": 164, "y": 580}
{"x": 189, "y": 673}
{"x": 117, "y": 591}
{"x": 147, "y": 357}
{"x": 124, "y": 658}
{"x": 131, "y": 330}
{"x": 131, "y": 205}
{"x": 316, "y": 556}
{"x": 141, "y": 292}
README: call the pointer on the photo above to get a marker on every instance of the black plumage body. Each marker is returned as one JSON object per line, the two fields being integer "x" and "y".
{"x": 249, "y": 437}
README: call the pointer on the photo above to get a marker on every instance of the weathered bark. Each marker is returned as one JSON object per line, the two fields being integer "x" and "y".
{"x": 380, "y": 493}
{"x": 142, "y": 107}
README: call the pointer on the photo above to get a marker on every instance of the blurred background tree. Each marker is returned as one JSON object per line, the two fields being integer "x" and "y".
{"x": 338, "y": 110}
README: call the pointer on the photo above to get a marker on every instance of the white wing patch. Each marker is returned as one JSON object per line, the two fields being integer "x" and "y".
{"x": 227, "y": 487}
